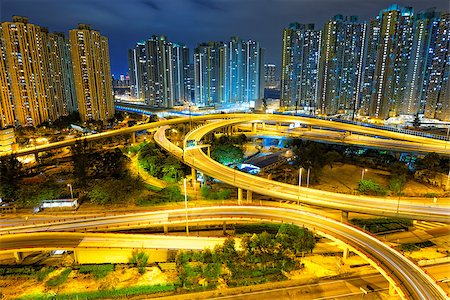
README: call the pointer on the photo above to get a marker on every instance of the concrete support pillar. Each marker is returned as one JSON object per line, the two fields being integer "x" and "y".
{"x": 194, "y": 175}
{"x": 254, "y": 127}
{"x": 392, "y": 290}
{"x": 75, "y": 256}
{"x": 263, "y": 125}
{"x": 249, "y": 196}
{"x": 239, "y": 195}
{"x": 166, "y": 229}
{"x": 277, "y": 125}
{"x": 345, "y": 253}
{"x": 344, "y": 216}
{"x": 36, "y": 156}
{"x": 133, "y": 138}
{"x": 18, "y": 256}
{"x": 224, "y": 227}
{"x": 209, "y": 151}
{"x": 309, "y": 127}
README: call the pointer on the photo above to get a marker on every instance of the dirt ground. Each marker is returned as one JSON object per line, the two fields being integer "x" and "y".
{"x": 344, "y": 178}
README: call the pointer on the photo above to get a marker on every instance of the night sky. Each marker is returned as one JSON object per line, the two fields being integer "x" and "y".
{"x": 125, "y": 22}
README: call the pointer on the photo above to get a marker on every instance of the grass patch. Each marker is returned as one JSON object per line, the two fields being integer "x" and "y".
{"x": 60, "y": 279}
{"x": 42, "y": 273}
{"x": 380, "y": 225}
{"x": 18, "y": 271}
{"x": 117, "y": 293}
{"x": 99, "y": 271}
{"x": 431, "y": 195}
{"x": 416, "y": 246}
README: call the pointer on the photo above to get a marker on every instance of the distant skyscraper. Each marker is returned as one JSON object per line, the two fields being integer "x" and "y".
{"x": 159, "y": 72}
{"x": 137, "y": 70}
{"x": 92, "y": 73}
{"x": 394, "y": 51}
{"x": 228, "y": 73}
{"x": 270, "y": 81}
{"x": 299, "y": 66}
{"x": 340, "y": 67}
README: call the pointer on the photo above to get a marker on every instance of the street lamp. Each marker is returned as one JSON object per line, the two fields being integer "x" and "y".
{"x": 307, "y": 178}
{"x": 71, "y": 191}
{"x": 363, "y": 171}
{"x": 299, "y": 184}
{"x": 186, "y": 206}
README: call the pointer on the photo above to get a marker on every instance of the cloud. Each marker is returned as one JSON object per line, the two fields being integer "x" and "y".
{"x": 208, "y": 4}
{"x": 151, "y": 4}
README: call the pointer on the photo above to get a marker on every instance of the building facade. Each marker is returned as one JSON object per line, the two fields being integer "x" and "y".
{"x": 270, "y": 79}
{"x": 159, "y": 72}
{"x": 92, "y": 74}
{"x": 36, "y": 74}
{"x": 394, "y": 52}
{"x": 340, "y": 67}
{"x": 436, "y": 93}
{"x": 229, "y": 73}
{"x": 299, "y": 66}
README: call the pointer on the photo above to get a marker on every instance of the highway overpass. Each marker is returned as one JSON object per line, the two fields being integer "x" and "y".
{"x": 405, "y": 277}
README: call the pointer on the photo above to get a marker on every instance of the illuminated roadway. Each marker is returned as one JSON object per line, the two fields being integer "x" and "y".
{"x": 437, "y": 146}
{"x": 196, "y": 158}
{"x": 408, "y": 279}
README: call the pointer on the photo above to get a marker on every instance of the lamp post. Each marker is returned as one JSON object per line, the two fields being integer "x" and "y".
{"x": 71, "y": 191}
{"x": 363, "y": 171}
{"x": 446, "y": 140}
{"x": 307, "y": 178}
{"x": 186, "y": 206}
{"x": 299, "y": 184}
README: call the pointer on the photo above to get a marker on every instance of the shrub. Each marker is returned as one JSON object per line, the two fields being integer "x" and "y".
{"x": 99, "y": 271}
{"x": 139, "y": 259}
{"x": 370, "y": 187}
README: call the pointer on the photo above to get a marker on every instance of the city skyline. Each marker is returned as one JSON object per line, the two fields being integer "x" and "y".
{"x": 199, "y": 21}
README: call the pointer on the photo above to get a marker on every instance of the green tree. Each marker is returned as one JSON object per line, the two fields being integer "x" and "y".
{"x": 10, "y": 169}
{"x": 296, "y": 239}
{"x": 172, "y": 170}
{"x": 80, "y": 155}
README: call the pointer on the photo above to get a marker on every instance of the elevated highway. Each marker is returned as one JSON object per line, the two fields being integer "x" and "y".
{"x": 433, "y": 145}
{"x": 405, "y": 277}
{"x": 199, "y": 160}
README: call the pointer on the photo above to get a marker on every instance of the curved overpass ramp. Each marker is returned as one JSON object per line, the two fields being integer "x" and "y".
{"x": 197, "y": 159}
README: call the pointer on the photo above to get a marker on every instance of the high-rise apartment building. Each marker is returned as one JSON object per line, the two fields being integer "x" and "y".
{"x": 420, "y": 63}
{"x": 370, "y": 60}
{"x": 61, "y": 74}
{"x": 270, "y": 80}
{"x": 92, "y": 74}
{"x": 393, "y": 55}
{"x": 228, "y": 73}
{"x": 159, "y": 72}
{"x": 24, "y": 68}
{"x": 299, "y": 66}
{"x": 137, "y": 70}
{"x": 340, "y": 68}
{"x": 437, "y": 103}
